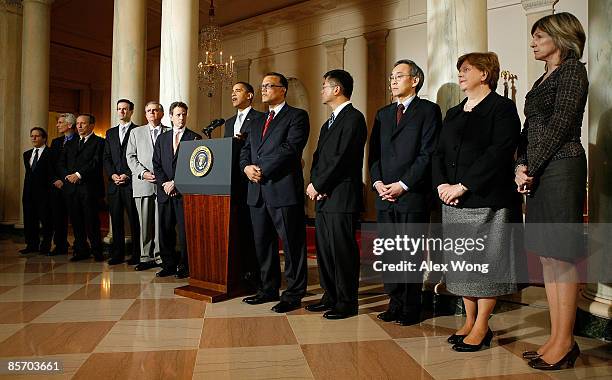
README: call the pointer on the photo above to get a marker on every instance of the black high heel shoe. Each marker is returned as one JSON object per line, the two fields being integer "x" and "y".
{"x": 454, "y": 339}
{"x": 466, "y": 347}
{"x": 530, "y": 355}
{"x": 567, "y": 361}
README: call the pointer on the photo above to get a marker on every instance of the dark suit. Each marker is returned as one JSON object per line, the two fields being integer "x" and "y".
{"x": 170, "y": 208}
{"x": 60, "y": 203}
{"x": 476, "y": 149}
{"x": 277, "y": 202}
{"x": 85, "y": 195}
{"x": 251, "y": 117}
{"x": 336, "y": 171}
{"x": 239, "y": 206}
{"x": 120, "y": 198}
{"x": 35, "y": 198}
{"x": 402, "y": 152}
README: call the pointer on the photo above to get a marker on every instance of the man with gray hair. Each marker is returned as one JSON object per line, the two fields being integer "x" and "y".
{"x": 139, "y": 154}
{"x": 59, "y": 202}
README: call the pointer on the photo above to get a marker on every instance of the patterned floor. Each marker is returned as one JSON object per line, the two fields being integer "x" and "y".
{"x": 105, "y": 323}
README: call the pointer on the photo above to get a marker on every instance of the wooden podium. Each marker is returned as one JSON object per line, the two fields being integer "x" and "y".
{"x": 212, "y": 203}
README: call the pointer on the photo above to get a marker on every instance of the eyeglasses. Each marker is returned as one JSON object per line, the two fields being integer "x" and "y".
{"x": 398, "y": 77}
{"x": 269, "y": 86}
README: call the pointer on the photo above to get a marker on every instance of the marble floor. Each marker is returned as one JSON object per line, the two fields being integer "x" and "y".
{"x": 114, "y": 323}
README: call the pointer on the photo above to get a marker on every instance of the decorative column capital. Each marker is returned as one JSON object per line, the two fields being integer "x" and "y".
{"x": 335, "y": 45}
{"x": 243, "y": 64}
{"x": 536, "y": 6}
{"x": 376, "y": 36}
{"x": 11, "y": 5}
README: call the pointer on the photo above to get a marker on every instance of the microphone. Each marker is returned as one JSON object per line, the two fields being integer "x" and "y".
{"x": 213, "y": 125}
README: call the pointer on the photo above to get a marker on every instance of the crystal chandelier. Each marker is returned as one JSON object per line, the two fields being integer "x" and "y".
{"x": 213, "y": 71}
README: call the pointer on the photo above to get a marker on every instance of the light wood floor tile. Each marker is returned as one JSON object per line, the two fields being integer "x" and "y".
{"x": 246, "y": 332}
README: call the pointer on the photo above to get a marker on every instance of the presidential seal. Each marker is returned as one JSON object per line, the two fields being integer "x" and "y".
{"x": 201, "y": 161}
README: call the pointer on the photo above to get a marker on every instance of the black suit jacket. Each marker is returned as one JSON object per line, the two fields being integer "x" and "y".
{"x": 403, "y": 152}
{"x": 87, "y": 161}
{"x": 251, "y": 117}
{"x": 164, "y": 159}
{"x": 56, "y": 150}
{"x": 337, "y": 163}
{"x": 279, "y": 155}
{"x": 114, "y": 159}
{"x": 37, "y": 182}
{"x": 477, "y": 149}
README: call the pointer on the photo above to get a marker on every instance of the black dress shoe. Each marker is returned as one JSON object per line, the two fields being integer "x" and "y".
{"x": 99, "y": 257}
{"x": 134, "y": 260}
{"x": 454, "y": 339}
{"x": 530, "y": 355}
{"x": 314, "y": 307}
{"x": 182, "y": 273}
{"x": 258, "y": 299}
{"x": 146, "y": 265}
{"x": 333, "y": 314}
{"x": 285, "y": 307}
{"x": 165, "y": 273}
{"x": 407, "y": 320}
{"x": 115, "y": 261}
{"x": 58, "y": 251}
{"x": 79, "y": 258}
{"x": 388, "y": 316}
{"x": 466, "y": 347}
{"x": 567, "y": 361}
{"x": 27, "y": 250}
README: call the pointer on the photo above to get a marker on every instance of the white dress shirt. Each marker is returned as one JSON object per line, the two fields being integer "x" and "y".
{"x": 240, "y": 117}
{"x": 40, "y": 150}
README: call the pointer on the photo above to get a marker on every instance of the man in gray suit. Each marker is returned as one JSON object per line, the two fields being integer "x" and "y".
{"x": 139, "y": 155}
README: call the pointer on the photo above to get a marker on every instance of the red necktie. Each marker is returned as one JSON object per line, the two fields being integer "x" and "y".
{"x": 268, "y": 121}
{"x": 399, "y": 113}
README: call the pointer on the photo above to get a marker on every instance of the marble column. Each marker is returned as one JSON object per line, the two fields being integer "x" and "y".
{"x": 454, "y": 28}
{"x": 595, "y": 302}
{"x": 35, "y": 44}
{"x": 129, "y": 56}
{"x": 377, "y": 86}
{"x": 10, "y": 101}
{"x": 179, "y": 56}
{"x": 534, "y": 10}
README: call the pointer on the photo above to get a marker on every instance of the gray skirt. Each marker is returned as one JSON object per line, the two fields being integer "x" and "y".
{"x": 553, "y": 221}
{"x": 501, "y": 239}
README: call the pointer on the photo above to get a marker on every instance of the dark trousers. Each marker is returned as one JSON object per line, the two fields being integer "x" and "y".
{"x": 289, "y": 223}
{"x": 36, "y": 214}
{"x": 171, "y": 215}
{"x": 405, "y": 296}
{"x": 59, "y": 216}
{"x": 338, "y": 259}
{"x": 120, "y": 202}
{"x": 84, "y": 208}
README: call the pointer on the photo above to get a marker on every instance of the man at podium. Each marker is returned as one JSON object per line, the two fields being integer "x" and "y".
{"x": 271, "y": 159}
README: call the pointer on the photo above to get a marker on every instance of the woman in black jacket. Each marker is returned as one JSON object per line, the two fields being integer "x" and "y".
{"x": 551, "y": 169}
{"x": 473, "y": 173}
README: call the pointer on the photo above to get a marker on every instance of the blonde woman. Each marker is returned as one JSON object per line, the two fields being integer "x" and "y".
{"x": 551, "y": 170}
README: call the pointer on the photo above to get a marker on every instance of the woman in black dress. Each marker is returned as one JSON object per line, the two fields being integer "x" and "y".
{"x": 473, "y": 173}
{"x": 551, "y": 170}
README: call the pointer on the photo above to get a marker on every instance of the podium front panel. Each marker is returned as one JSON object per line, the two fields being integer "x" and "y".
{"x": 205, "y": 167}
